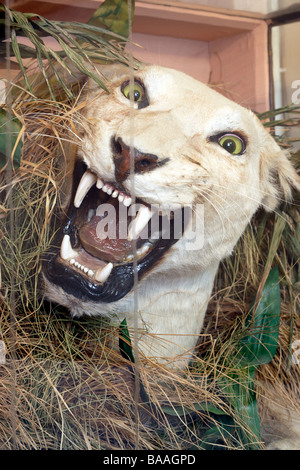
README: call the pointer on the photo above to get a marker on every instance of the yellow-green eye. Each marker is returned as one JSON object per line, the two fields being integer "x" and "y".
{"x": 232, "y": 143}
{"x": 136, "y": 88}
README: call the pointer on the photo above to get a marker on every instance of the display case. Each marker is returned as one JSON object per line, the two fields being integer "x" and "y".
{"x": 227, "y": 44}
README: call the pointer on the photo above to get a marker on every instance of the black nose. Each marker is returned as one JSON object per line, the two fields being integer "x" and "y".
{"x": 142, "y": 162}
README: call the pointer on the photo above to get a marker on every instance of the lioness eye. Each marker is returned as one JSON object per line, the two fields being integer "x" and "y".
{"x": 232, "y": 143}
{"x": 137, "y": 89}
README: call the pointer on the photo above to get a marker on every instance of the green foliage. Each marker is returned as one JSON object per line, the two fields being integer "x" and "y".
{"x": 257, "y": 346}
{"x": 113, "y": 16}
{"x": 10, "y": 139}
{"x": 125, "y": 342}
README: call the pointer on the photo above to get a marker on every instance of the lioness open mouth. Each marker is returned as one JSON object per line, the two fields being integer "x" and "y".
{"x": 105, "y": 238}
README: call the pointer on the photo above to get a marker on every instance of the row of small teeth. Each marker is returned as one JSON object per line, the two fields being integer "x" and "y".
{"x": 86, "y": 270}
{"x": 68, "y": 254}
{"x": 89, "y": 179}
{"x": 87, "y": 182}
{"x": 100, "y": 275}
{"x": 111, "y": 191}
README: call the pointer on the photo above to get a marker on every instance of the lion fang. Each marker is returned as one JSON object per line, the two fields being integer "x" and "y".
{"x": 87, "y": 181}
{"x": 102, "y": 274}
{"x": 66, "y": 250}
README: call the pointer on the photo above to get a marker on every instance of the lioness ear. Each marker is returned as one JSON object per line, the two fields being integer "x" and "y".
{"x": 277, "y": 175}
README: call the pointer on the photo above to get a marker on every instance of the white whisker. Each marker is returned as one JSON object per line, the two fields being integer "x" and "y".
{"x": 259, "y": 202}
{"x": 265, "y": 193}
{"x": 218, "y": 213}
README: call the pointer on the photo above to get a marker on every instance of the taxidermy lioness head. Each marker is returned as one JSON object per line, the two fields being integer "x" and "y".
{"x": 168, "y": 175}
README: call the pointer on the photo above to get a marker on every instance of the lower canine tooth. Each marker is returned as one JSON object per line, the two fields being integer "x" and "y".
{"x": 103, "y": 273}
{"x": 87, "y": 181}
{"x": 66, "y": 250}
{"x": 91, "y": 214}
{"x": 143, "y": 249}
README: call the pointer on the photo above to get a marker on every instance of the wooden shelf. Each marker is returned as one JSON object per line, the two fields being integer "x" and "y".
{"x": 213, "y": 46}
{"x": 150, "y": 18}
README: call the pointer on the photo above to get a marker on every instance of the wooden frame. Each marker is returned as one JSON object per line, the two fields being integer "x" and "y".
{"x": 224, "y": 48}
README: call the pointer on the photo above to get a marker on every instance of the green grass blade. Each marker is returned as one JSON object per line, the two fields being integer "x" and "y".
{"x": 256, "y": 347}
{"x": 125, "y": 342}
{"x": 78, "y": 57}
{"x": 100, "y": 43}
{"x": 26, "y": 52}
{"x": 18, "y": 56}
{"x": 238, "y": 386}
{"x": 183, "y": 410}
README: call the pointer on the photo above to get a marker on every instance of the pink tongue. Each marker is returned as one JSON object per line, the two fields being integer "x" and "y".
{"x": 95, "y": 239}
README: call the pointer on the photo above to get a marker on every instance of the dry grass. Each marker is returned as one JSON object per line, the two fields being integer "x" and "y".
{"x": 63, "y": 386}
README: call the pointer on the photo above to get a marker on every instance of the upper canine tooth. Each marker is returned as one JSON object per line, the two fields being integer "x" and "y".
{"x": 102, "y": 274}
{"x": 87, "y": 181}
{"x": 66, "y": 250}
{"x": 137, "y": 225}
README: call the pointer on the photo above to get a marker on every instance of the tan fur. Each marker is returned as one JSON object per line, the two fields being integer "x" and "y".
{"x": 183, "y": 114}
